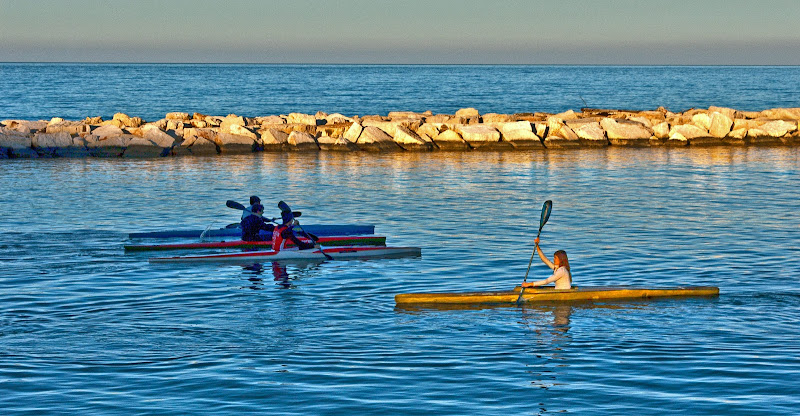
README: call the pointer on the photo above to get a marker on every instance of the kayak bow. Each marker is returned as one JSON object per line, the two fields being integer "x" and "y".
{"x": 552, "y": 295}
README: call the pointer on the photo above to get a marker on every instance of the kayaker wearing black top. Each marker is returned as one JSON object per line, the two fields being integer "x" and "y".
{"x": 254, "y": 223}
{"x": 285, "y": 232}
{"x": 249, "y": 210}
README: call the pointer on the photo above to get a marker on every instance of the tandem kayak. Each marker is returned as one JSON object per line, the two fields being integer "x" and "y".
{"x": 336, "y": 253}
{"x": 550, "y": 294}
{"x": 353, "y": 240}
{"x": 318, "y": 229}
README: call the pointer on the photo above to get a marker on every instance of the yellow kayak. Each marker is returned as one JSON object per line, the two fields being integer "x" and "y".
{"x": 549, "y": 294}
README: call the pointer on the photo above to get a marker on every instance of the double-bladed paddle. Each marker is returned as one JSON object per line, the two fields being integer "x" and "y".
{"x": 235, "y": 205}
{"x": 547, "y": 207}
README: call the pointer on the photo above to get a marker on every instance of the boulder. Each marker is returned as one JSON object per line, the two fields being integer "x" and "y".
{"x": 270, "y": 120}
{"x": 339, "y": 144}
{"x": 375, "y": 139}
{"x": 778, "y": 128}
{"x": 591, "y": 134}
{"x": 626, "y": 132}
{"x": 390, "y": 127}
{"x": 126, "y": 120}
{"x": 688, "y": 131}
{"x": 702, "y": 120}
{"x": 661, "y": 130}
{"x": 352, "y": 133}
{"x": 479, "y": 135}
{"x": 438, "y": 118}
{"x": 112, "y": 145}
{"x": 719, "y": 125}
{"x": 676, "y": 139}
{"x": 60, "y": 144}
{"x": 450, "y": 140}
{"x": 183, "y": 116}
{"x": 300, "y": 118}
{"x": 24, "y": 127}
{"x": 70, "y": 127}
{"x": 230, "y": 120}
{"x": 771, "y": 132}
{"x": 302, "y": 141}
{"x": 235, "y": 143}
{"x": 105, "y": 132}
{"x": 727, "y": 112}
{"x": 15, "y": 145}
{"x": 556, "y": 128}
{"x": 497, "y": 118}
{"x": 519, "y": 134}
{"x": 200, "y": 142}
{"x": 273, "y": 140}
{"x": 430, "y": 130}
{"x": 140, "y": 147}
{"x": 467, "y": 113}
{"x": 409, "y": 140}
{"x": 782, "y": 113}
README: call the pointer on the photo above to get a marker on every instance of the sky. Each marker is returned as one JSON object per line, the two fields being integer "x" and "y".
{"x": 543, "y": 32}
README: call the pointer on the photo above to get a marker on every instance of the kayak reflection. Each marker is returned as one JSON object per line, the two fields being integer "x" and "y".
{"x": 283, "y": 274}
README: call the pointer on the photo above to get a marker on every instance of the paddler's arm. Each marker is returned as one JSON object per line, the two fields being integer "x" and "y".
{"x": 544, "y": 258}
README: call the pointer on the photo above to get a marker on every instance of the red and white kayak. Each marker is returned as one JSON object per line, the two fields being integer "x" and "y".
{"x": 337, "y": 253}
{"x": 355, "y": 240}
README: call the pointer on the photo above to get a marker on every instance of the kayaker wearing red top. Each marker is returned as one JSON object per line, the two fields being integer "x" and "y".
{"x": 254, "y": 223}
{"x": 285, "y": 232}
{"x": 562, "y": 275}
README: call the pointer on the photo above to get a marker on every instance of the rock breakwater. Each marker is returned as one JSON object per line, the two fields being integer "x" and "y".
{"x": 179, "y": 134}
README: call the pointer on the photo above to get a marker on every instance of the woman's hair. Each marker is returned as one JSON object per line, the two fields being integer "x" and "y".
{"x": 562, "y": 256}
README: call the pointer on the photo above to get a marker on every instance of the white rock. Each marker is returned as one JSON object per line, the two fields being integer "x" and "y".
{"x": 702, "y": 120}
{"x": 157, "y": 136}
{"x": 274, "y": 137}
{"x": 779, "y": 128}
{"x": 300, "y": 118}
{"x": 720, "y": 125}
{"x": 478, "y": 134}
{"x": 661, "y": 130}
{"x": 405, "y": 136}
{"x": 688, "y": 131}
{"x": 51, "y": 140}
{"x": 591, "y": 131}
{"x": 299, "y": 138}
{"x": 353, "y": 133}
{"x": 625, "y": 129}
{"x": 467, "y": 113}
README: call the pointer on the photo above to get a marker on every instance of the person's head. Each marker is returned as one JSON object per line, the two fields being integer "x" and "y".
{"x": 560, "y": 259}
{"x": 258, "y": 209}
{"x": 287, "y": 217}
{"x": 255, "y": 200}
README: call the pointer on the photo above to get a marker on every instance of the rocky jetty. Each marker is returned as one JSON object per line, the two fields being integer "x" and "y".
{"x": 179, "y": 134}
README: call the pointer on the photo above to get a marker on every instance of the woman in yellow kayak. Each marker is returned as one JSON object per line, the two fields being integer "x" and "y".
{"x": 560, "y": 265}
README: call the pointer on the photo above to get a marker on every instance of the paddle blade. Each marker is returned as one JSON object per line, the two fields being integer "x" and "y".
{"x": 546, "y": 209}
{"x": 284, "y": 207}
{"x": 234, "y": 205}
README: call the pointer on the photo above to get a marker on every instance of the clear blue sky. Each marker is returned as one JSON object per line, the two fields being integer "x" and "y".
{"x": 765, "y": 32}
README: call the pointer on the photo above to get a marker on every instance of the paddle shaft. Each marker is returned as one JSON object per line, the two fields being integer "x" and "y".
{"x": 546, "y": 209}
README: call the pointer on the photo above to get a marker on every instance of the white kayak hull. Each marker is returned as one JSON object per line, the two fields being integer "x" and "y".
{"x": 337, "y": 253}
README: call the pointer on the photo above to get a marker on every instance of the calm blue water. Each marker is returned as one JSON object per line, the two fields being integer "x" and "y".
{"x": 88, "y": 329}
{"x": 75, "y": 91}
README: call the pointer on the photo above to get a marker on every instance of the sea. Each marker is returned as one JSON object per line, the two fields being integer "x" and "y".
{"x": 89, "y": 329}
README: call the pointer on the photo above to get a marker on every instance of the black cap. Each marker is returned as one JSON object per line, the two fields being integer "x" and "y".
{"x": 255, "y": 200}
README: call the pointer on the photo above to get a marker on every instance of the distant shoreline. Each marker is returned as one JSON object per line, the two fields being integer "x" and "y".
{"x": 183, "y": 134}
